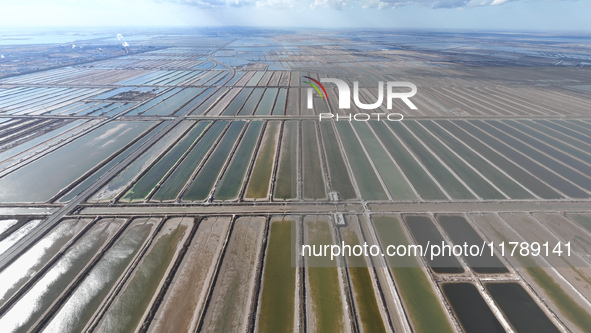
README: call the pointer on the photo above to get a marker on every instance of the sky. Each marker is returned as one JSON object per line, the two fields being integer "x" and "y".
{"x": 497, "y": 15}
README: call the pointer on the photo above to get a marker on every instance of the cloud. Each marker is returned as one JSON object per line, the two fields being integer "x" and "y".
{"x": 337, "y": 4}
{"x": 212, "y": 4}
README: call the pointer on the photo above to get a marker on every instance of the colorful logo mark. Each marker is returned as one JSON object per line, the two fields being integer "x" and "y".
{"x": 316, "y": 87}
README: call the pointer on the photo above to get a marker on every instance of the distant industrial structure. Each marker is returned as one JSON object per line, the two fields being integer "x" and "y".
{"x": 124, "y": 44}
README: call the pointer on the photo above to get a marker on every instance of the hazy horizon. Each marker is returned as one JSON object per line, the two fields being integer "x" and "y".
{"x": 497, "y": 15}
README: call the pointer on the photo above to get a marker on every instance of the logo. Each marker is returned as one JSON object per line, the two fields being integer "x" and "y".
{"x": 344, "y": 97}
{"x": 316, "y": 88}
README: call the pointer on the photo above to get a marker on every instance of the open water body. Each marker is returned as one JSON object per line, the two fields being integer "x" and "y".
{"x": 471, "y": 309}
{"x": 87, "y": 297}
{"x": 22, "y": 315}
{"x": 234, "y": 175}
{"x": 521, "y": 310}
{"x": 43, "y": 37}
{"x": 31, "y": 182}
{"x": 96, "y": 175}
{"x": 124, "y": 179}
{"x": 126, "y": 312}
{"x": 38, "y": 140}
{"x": 20, "y": 271}
{"x": 200, "y": 187}
{"x": 425, "y": 233}
{"x": 461, "y": 232}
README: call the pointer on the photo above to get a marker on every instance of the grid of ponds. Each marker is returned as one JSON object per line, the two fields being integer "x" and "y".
{"x": 212, "y": 143}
